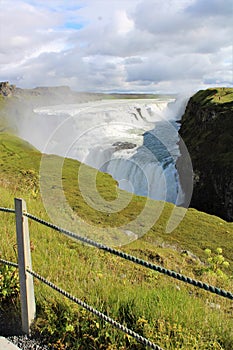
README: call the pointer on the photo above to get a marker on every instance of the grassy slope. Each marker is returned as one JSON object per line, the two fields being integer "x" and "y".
{"x": 217, "y": 96}
{"x": 172, "y": 314}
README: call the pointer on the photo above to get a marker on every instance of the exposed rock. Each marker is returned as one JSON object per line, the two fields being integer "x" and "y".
{"x": 190, "y": 255}
{"x": 124, "y": 145}
{"x": 6, "y": 89}
{"x": 207, "y": 130}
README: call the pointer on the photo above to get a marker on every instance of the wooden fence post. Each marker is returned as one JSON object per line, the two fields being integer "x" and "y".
{"x": 27, "y": 298}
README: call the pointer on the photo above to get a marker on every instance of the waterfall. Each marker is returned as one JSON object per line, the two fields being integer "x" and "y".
{"x": 133, "y": 140}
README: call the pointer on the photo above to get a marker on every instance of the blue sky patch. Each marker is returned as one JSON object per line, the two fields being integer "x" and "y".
{"x": 73, "y": 25}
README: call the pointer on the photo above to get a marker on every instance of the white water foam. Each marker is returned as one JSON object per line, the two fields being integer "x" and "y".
{"x": 133, "y": 140}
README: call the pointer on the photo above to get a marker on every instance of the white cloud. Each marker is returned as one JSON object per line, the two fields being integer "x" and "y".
{"x": 124, "y": 23}
{"x": 140, "y": 45}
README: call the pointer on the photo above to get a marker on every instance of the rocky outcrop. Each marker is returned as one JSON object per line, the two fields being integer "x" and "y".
{"x": 6, "y": 89}
{"x": 122, "y": 145}
{"x": 207, "y": 130}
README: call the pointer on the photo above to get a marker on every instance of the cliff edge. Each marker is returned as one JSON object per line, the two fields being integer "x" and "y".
{"x": 207, "y": 130}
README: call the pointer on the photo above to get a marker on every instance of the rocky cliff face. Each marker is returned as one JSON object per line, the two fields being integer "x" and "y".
{"x": 6, "y": 89}
{"x": 207, "y": 130}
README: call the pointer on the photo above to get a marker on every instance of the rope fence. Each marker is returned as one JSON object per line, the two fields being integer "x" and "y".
{"x": 157, "y": 268}
{"x": 135, "y": 260}
{"x": 89, "y": 308}
{"x": 7, "y": 210}
{"x": 27, "y": 289}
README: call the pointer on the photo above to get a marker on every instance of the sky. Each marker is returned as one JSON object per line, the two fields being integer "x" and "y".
{"x": 117, "y": 45}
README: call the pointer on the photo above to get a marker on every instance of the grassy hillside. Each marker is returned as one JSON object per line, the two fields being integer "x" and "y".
{"x": 215, "y": 96}
{"x": 171, "y": 314}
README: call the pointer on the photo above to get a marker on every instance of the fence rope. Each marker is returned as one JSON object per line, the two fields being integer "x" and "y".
{"x": 7, "y": 210}
{"x": 10, "y": 263}
{"x": 160, "y": 269}
{"x": 89, "y": 308}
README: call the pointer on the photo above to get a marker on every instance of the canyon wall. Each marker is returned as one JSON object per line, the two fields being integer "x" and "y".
{"x": 207, "y": 130}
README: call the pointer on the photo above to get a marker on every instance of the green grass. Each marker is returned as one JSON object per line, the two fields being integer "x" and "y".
{"x": 135, "y": 96}
{"x": 168, "y": 312}
{"x": 217, "y": 96}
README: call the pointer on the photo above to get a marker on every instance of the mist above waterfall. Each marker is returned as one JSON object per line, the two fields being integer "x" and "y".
{"x": 136, "y": 141}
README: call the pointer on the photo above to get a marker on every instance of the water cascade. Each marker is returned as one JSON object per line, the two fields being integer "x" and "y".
{"x": 133, "y": 140}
